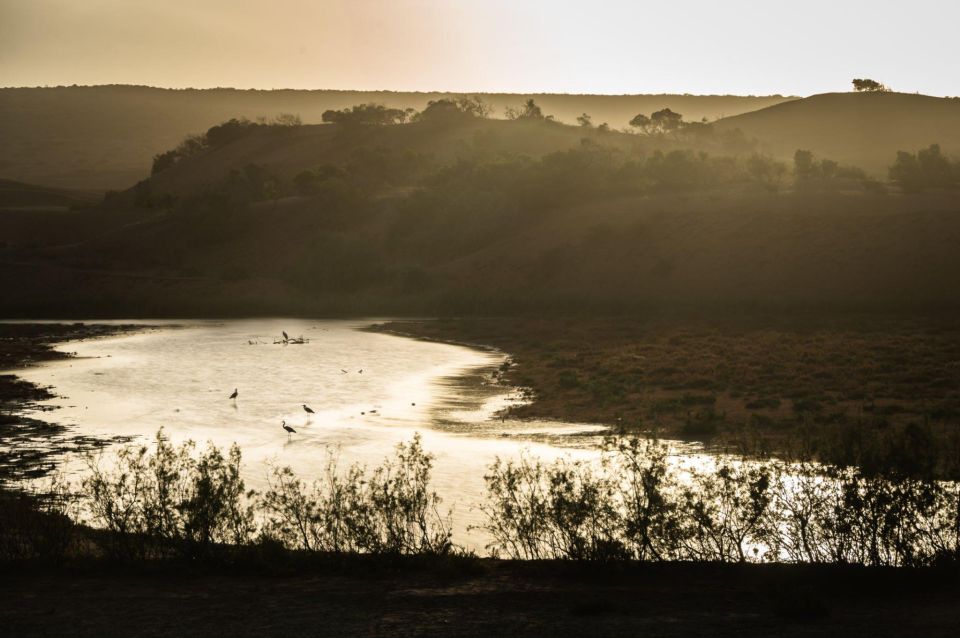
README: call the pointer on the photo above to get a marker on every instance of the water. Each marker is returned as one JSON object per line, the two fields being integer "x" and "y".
{"x": 179, "y": 378}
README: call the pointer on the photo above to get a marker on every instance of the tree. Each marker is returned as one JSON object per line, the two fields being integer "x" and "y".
{"x": 585, "y": 120}
{"x": 935, "y": 167}
{"x": 928, "y": 168}
{"x": 865, "y": 85}
{"x": 287, "y": 119}
{"x": 529, "y": 111}
{"x": 228, "y": 131}
{"x": 667, "y": 121}
{"x": 191, "y": 145}
{"x": 804, "y": 165}
{"x": 642, "y": 123}
{"x": 663, "y": 121}
{"x": 368, "y": 114}
{"x": 447, "y": 109}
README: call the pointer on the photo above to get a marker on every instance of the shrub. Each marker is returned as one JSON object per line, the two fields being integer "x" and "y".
{"x": 168, "y": 501}
{"x": 388, "y": 511}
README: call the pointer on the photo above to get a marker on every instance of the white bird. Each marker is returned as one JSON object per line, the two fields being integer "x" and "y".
{"x": 307, "y": 409}
{"x": 286, "y": 427}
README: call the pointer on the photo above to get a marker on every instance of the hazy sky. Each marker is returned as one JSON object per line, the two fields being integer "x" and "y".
{"x": 599, "y": 46}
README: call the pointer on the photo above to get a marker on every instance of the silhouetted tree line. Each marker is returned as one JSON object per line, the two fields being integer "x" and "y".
{"x": 444, "y": 109}
{"x": 927, "y": 168}
{"x": 217, "y": 136}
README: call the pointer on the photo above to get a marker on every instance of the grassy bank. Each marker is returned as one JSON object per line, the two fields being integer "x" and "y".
{"x": 843, "y": 389}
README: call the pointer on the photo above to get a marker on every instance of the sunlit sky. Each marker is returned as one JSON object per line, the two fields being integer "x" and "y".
{"x": 601, "y": 46}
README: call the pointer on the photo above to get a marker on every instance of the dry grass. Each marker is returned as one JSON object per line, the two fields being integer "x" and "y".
{"x": 763, "y": 377}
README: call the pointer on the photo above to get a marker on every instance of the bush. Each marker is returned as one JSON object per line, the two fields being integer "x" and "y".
{"x": 389, "y": 511}
{"x": 169, "y": 502}
{"x": 639, "y": 505}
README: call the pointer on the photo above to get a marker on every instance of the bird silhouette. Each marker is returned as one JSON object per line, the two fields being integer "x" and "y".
{"x": 235, "y": 394}
{"x": 360, "y": 371}
{"x": 285, "y": 337}
{"x": 286, "y": 427}
{"x": 343, "y": 371}
{"x": 307, "y": 409}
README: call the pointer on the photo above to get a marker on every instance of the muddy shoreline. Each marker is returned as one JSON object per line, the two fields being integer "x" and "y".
{"x": 30, "y": 445}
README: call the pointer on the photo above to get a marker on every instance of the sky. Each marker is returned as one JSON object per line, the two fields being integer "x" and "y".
{"x": 601, "y": 46}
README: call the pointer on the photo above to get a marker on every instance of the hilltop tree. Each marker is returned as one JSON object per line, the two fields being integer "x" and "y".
{"x": 667, "y": 121}
{"x": 368, "y": 114}
{"x": 287, "y": 119}
{"x": 642, "y": 123}
{"x": 585, "y": 120}
{"x": 228, "y": 131}
{"x": 865, "y": 85}
{"x": 446, "y": 109}
{"x": 660, "y": 122}
{"x": 529, "y": 111}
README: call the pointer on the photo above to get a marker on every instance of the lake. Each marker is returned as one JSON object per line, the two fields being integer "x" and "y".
{"x": 369, "y": 392}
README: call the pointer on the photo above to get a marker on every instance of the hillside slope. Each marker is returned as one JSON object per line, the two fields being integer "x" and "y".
{"x": 480, "y": 216}
{"x": 20, "y": 196}
{"x": 106, "y": 136}
{"x": 863, "y": 129}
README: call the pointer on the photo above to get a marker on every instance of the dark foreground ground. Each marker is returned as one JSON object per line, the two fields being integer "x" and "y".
{"x": 494, "y": 598}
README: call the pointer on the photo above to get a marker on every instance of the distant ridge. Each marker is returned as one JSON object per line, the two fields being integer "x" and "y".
{"x": 864, "y": 129}
{"x": 106, "y": 136}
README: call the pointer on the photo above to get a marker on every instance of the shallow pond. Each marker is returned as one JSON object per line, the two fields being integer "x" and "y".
{"x": 368, "y": 391}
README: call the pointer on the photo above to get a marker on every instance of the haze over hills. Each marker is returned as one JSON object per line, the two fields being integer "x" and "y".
{"x": 106, "y": 136}
{"x": 456, "y": 213}
{"x": 863, "y": 129}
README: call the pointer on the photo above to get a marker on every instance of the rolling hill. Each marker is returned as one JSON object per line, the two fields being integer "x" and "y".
{"x": 862, "y": 129}
{"x": 479, "y": 216}
{"x": 26, "y": 197}
{"x": 106, "y": 136}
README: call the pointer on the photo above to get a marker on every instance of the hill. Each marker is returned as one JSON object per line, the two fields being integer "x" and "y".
{"x": 106, "y": 136}
{"x": 20, "y": 196}
{"x": 862, "y": 129}
{"x": 479, "y": 216}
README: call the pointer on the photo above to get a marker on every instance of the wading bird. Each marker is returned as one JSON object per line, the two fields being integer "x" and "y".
{"x": 289, "y": 429}
{"x": 235, "y": 394}
{"x": 307, "y": 409}
{"x": 285, "y": 337}
{"x": 360, "y": 371}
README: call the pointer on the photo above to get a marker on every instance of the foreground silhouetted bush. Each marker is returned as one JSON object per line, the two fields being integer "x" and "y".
{"x": 635, "y": 503}
{"x": 390, "y": 510}
{"x": 639, "y": 506}
{"x": 170, "y": 501}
